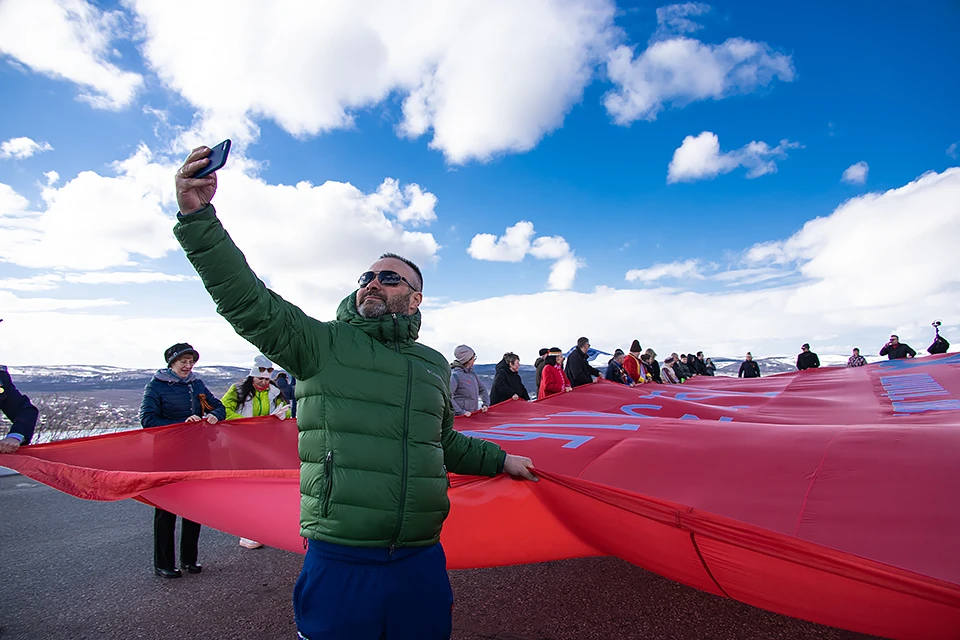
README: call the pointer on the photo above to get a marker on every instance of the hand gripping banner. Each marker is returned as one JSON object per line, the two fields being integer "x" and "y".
{"x": 829, "y": 495}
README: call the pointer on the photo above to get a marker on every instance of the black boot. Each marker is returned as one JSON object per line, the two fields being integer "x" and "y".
{"x": 192, "y": 567}
{"x": 167, "y": 573}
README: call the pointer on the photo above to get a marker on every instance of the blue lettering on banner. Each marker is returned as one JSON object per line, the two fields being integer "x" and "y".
{"x": 520, "y": 436}
{"x": 911, "y": 386}
{"x": 631, "y": 409}
{"x": 909, "y": 363}
{"x": 920, "y": 407}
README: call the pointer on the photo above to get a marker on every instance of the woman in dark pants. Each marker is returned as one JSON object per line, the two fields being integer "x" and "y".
{"x": 176, "y": 395}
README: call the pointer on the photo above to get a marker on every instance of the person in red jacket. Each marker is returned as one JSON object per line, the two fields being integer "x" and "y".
{"x": 632, "y": 365}
{"x": 552, "y": 379}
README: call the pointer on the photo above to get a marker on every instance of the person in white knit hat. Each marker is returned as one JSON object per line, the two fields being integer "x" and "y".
{"x": 466, "y": 390}
{"x": 256, "y": 396}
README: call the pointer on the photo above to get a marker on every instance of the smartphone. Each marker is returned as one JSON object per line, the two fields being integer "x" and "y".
{"x": 218, "y": 158}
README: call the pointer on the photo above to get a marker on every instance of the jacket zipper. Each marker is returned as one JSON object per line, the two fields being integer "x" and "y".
{"x": 328, "y": 489}
{"x": 403, "y": 477}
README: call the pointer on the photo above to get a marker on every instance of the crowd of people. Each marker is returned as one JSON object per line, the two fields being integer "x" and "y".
{"x": 557, "y": 372}
{"x": 376, "y": 413}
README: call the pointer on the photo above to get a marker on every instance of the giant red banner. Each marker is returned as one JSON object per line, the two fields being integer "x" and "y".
{"x": 828, "y": 495}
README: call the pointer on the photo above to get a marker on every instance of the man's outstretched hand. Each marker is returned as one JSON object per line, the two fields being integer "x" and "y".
{"x": 194, "y": 194}
{"x": 519, "y": 467}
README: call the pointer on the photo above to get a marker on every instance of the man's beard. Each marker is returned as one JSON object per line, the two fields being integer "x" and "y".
{"x": 373, "y": 306}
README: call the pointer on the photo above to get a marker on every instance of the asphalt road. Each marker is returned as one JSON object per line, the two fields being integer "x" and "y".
{"x": 75, "y": 569}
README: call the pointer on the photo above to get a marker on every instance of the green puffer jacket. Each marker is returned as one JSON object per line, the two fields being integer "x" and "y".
{"x": 374, "y": 412}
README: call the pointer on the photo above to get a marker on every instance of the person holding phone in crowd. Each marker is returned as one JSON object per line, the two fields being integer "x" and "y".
{"x": 376, "y": 433}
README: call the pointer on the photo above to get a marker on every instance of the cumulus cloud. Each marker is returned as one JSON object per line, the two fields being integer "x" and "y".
{"x": 835, "y": 298}
{"x": 518, "y": 241}
{"x": 856, "y": 173}
{"x": 482, "y": 76}
{"x": 677, "y": 270}
{"x": 699, "y": 158}
{"x": 70, "y": 40}
{"x": 681, "y": 70}
{"x": 98, "y": 222}
{"x": 21, "y": 148}
{"x": 52, "y": 178}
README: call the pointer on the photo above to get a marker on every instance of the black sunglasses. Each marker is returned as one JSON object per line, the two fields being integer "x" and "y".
{"x": 266, "y": 369}
{"x": 387, "y": 278}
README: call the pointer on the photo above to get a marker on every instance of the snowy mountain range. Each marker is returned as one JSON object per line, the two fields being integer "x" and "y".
{"x": 51, "y": 379}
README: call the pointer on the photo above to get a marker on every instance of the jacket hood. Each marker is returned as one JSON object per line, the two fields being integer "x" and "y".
{"x": 405, "y": 329}
{"x": 503, "y": 367}
{"x": 166, "y": 375}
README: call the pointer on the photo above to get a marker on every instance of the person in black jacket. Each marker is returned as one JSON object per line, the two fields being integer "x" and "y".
{"x": 615, "y": 372}
{"x": 19, "y": 410}
{"x": 699, "y": 366}
{"x": 895, "y": 350}
{"x": 807, "y": 359}
{"x": 507, "y": 384}
{"x": 174, "y": 395}
{"x": 684, "y": 370}
{"x": 578, "y": 370}
{"x": 749, "y": 368}
{"x": 653, "y": 367}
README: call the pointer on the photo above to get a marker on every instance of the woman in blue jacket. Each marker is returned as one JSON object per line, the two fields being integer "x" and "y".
{"x": 174, "y": 395}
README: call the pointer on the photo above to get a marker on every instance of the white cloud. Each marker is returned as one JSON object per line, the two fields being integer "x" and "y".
{"x": 52, "y": 178}
{"x": 841, "y": 296}
{"x": 71, "y": 40}
{"x": 952, "y": 151}
{"x": 683, "y": 70}
{"x": 518, "y": 241}
{"x": 512, "y": 246}
{"x": 21, "y": 148}
{"x": 93, "y": 222}
{"x": 484, "y": 76}
{"x": 674, "y": 19}
{"x": 678, "y": 270}
{"x": 49, "y": 281}
{"x": 96, "y": 222}
{"x": 699, "y": 157}
{"x": 748, "y": 276}
{"x": 856, "y": 173}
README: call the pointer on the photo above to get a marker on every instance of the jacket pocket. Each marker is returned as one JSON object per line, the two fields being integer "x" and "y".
{"x": 328, "y": 484}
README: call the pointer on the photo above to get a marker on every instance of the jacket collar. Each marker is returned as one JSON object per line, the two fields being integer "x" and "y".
{"x": 166, "y": 375}
{"x": 389, "y": 328}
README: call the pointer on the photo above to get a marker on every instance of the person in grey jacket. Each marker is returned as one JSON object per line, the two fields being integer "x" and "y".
{"x": 466, "y": 390}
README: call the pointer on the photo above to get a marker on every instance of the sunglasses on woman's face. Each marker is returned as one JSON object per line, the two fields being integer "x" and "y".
{"x": 266, "y": 369}
{"x": 386, "y": 278}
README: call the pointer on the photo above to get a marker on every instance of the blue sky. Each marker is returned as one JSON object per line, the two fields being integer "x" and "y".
{"x": 678, "y": 219}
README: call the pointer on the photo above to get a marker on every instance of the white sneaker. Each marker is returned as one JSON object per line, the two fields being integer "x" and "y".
{"x": 247, "y": 543}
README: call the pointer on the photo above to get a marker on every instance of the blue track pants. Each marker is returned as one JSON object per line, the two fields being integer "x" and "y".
{"x": 356, "y": 593}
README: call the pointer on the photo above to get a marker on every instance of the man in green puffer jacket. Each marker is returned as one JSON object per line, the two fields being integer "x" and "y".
{"x": 376, "y": 434}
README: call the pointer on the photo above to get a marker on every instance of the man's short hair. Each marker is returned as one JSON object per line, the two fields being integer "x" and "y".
{"x": 544, "y": 352}
{"x": 893, "y": 335}
{"x": 857, "y": 349}
{"x": 409, "y": 263}
{"x": 511, "y": 357}
{"x": 581, "y": 342}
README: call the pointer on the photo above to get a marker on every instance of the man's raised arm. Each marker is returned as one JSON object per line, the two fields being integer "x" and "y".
{"x": 279, "y": 329}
